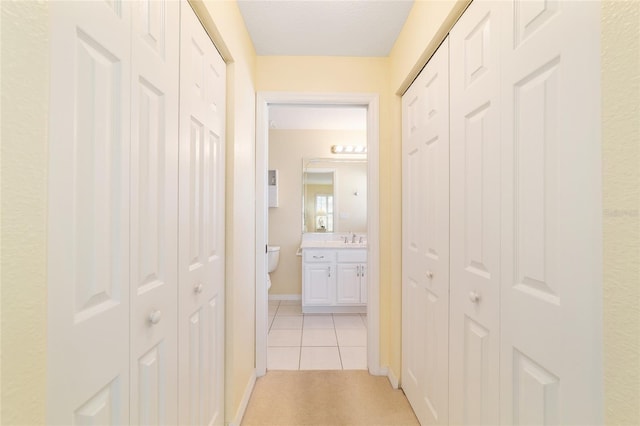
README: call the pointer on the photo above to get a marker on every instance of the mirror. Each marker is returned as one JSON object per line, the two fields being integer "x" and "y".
{"x": 334, "y": 195}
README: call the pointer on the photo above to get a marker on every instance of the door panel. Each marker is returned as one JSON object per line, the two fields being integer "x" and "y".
{"x": 426, "y": 240}
{"x": 201, "y": 226}
{"x": 475, "y": 216}
{"x": 88, "y": 252}
{"x": 551, "y": 344}
{"x": 320, "y": 282}
{"x": 348, "y": 287}
{"x": 154, "y": 212}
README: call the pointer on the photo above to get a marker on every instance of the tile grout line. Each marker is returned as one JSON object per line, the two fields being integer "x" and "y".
{"x": 335, "y": 332}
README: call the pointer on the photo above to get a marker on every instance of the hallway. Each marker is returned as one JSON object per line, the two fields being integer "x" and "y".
{"x": 289, "y": 398}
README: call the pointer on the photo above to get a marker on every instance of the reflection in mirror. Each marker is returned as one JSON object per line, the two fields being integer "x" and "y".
{"x": 318, "y": 204}
{"x": 334, "y": 195}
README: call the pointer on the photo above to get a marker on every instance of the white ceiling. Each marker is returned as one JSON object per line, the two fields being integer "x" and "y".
{"x": 302, "y": 117}
{"x": 324, "y": 27}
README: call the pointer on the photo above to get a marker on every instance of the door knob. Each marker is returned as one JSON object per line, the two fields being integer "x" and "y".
{"x": 154, "y": 317}
{"x": 198, "y": 288}
{"x": 474, "y": 297}
{"x": 430, "y": 275}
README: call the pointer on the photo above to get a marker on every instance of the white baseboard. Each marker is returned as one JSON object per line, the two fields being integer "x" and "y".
{"x": 245, "y": 400}
{"x": 395, "y": 383}
{"x": 285, "y": 297}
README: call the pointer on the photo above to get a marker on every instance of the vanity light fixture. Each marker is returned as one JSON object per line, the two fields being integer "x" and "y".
{"x": 349, "y": 149}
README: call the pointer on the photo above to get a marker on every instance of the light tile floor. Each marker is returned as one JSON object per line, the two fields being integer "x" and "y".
{"x": 315, "y": 341}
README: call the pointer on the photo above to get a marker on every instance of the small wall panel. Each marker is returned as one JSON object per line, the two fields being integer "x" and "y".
{"x": 196, "y": 205}
{"x": 415, "y": 352}
{"x": 152, "y": 386}
{"x": 153, "y": 26}
{"x": 432, "y": 330}
{"x": 530, "y": 15}
{"x": 151, "y": 186}
{"x": 97, "y": 178}
{"x": 476, "y": 51}
{"x": 196, "y": 362}
{"x": 216, "y": 366}
{"x": 476, "y": 369}
{"x": 197, "y": 69}
{"x": 535, "y": 145}
{"x": 103, "y": 408}
{"x": 475, "y": 146}
{"x": 413, "y": 200}
{"x": 213, "y": 194}
{"x": 536, "y": 393}
{"x": 430, "y": 97}
{"x": 428, "y": 196}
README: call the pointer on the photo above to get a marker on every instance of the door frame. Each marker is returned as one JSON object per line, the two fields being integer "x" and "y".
{"x": 371, "y": 102}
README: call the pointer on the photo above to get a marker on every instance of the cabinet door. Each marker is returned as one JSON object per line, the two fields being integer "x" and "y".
{"x": 348, "y": 288}
{"x": 475, "y": 216}
{"x": 425, "y": 251}
{"x": 319, "y": 283}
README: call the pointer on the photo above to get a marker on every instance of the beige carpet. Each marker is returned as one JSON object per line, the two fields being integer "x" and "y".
{"x": 289, "y": 398}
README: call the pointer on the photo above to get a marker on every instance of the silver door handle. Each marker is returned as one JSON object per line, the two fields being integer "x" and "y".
{"x": 329, "y": 269}
{"x": 362, "y": 270}
{"x": 198, "y": 288}
{"x": 357, "y": 270}
{"x": 430, "y": 275}
{"x": 318, "y": 257}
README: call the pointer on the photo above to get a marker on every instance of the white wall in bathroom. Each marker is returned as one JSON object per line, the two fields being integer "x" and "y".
{"x": 287, "y": 148}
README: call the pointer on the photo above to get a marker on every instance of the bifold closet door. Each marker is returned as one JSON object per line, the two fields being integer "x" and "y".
{"x": 551, "y": 298}
{"x": 154, "y": 212}
{"x": 88, "y": 223}
{"x": 425, "y": 280}
{"x": 201, "y": 226}
{"x": 474, "y": 344}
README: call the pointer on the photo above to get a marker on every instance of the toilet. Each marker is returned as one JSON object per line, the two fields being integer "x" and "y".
{"x": 273, "y": 257}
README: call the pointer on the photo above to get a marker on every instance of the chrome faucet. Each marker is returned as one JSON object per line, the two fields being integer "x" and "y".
{"x": 353, "y": 239}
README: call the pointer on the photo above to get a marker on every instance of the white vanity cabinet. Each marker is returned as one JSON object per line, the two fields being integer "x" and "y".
{"x": 319, "y": 277}
{"x": 334, "y": 280}
{"x": 351, "y": 287}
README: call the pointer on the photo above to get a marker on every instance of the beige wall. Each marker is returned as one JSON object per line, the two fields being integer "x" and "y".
{"x": 621, "y": 204}
{"x": 287, "y": 148}
{"x": 25, "y": 98}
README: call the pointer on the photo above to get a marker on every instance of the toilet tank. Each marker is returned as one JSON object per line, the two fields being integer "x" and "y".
{"x": 273, "y": 257}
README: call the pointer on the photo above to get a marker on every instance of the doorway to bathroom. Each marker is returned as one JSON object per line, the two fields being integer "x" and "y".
{"x": 343, "y": 334}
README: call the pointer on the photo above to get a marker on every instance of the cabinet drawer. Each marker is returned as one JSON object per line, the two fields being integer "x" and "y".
{"x": 319, "y": 255}
{"x": 352, "y": 255}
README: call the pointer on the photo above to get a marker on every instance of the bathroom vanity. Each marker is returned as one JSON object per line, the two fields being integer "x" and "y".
{"x": 334, "y": 276}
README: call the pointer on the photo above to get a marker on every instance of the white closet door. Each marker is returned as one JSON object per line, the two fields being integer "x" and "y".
{"x": 551, "y": 310}
{"x": 88, "y": 253}
{"x": 201, "y": 228}
{"x": 154, "y": 212}
{"x": 425, "y": 288}
{"x": 475, "y": 216}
